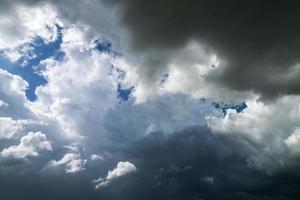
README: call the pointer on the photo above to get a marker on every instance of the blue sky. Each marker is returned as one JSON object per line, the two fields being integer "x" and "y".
{"x": 28, "y": 68}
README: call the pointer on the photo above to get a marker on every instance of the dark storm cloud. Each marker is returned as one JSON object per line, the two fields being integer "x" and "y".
{"x": 190, "y": 164}
{"x": 258, "y": 39}
{"x": 195, "y": 164}
{"x": 35, "y": 186}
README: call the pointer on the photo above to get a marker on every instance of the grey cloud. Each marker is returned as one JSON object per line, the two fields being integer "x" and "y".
{"x": 29, "y": 145}
{"x": 259, "y": 40}
{"x": 71, "y": 161}
{"x": 189, "y": 164}
{"x": 195, "y": 164}
{"x": 121, "y": 169}
{"x": 128, "y": 121}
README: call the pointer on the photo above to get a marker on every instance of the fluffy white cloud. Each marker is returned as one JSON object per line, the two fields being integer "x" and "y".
{"x": 30, "y": 145}
{"x": 122, "y": 169}
{"x": 187, "y": 72}
{"x": 261, "y": 121}
{"x": 71, "y": 162}
{"x": 3, "y": 104}
{"x": 9, "y": 127}
{"x": 21, "y": 23}
{"x": 12, "y": 54}
{"x": 81, "y": 27}
{"x": 16, "y": 116}
{"x": 96, "y": 157}
{"x": 79, "y": 91}
{"x": 12, "y": 92}
{"x": 293, "y": 142}
{"x": 271, "y": 128}
{"x": 12, "y": 84}
{"x": 68, "y": 106}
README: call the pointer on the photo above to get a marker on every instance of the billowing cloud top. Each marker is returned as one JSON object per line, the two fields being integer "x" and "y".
{"x": 149, "y": 100}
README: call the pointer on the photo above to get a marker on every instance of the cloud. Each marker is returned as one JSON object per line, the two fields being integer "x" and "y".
{"x": 293, "y": 142}
{"x": 3, "y": 104}
{"x": 8, "y": 128}
{"x": 182, "y": 145}
{"x": 95, "y": 157}
{"x": 249, "y": 36}
{"x": 70, "y": 101}
{"x": 71, "y": 162}
{"x": 12, "y": 92}
{"x": 53, "y": 111}
{"x": 271, "y": 126}
{"x": 169, "y": 166}
{"x": 30, "y": 145}
{"x": 217, "y": 32}
{"x": 20, "y": 23}
{"x": 166, "y": 113}
{"x": 179, "y": 166}
{"x": 122, "y": 169}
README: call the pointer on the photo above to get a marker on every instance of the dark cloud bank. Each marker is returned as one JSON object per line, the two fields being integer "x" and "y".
{"x": 190, "y": 164}
{"x": 259, "y": 40}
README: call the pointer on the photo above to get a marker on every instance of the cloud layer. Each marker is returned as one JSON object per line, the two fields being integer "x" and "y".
{"x": 256, "y": 40}
{"x": 157, "y": 100}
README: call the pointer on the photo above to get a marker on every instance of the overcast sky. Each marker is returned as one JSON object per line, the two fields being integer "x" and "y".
{"x": 160, "y": 99}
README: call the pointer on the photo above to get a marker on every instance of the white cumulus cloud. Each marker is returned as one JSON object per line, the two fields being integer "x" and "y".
{"x": 122, "y": 169}
{"x": 71, "y": 162}
{"x": 21, "y": 23}
{"x": 30, "y": 145}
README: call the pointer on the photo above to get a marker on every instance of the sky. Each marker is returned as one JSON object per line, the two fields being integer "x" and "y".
{"x": 161, "y": 99}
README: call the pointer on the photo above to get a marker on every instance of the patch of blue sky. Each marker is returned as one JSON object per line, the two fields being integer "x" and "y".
{"x": 224, "y": 106}
{"x": 105, "y": 46}
{"x": 124, "y": 93}
{"x": 28, "y": 65}
{"x": 164, "y": 79}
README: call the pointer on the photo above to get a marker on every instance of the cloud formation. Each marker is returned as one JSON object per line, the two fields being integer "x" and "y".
{"x": 29, "y": 145}
{"x": 256, "y": 40}
{"x": 20, "y": 23}
{"x": 71, "y": 162}
{"x": 121, "y": 169}
{"x": 175, "y": 92}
